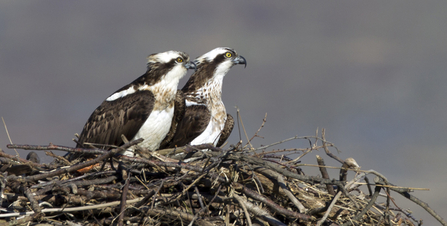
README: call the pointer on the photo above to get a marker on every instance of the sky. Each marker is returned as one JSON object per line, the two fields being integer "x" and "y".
{"x": 372, "y": 73}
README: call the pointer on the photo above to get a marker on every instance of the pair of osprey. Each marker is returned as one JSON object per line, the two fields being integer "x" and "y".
{"x": 152, "y": 108}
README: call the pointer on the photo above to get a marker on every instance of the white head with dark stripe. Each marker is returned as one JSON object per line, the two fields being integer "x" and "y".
{"x": 170, "y": 65}
{"x": 212, "y": 67}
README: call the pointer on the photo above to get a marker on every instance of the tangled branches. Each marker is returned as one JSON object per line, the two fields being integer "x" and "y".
{"x": 201, "y": 185}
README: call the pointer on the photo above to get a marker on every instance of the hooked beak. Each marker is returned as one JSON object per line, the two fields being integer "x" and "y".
{"x": 191, "y": 65}
{"x": 240, "y": 60}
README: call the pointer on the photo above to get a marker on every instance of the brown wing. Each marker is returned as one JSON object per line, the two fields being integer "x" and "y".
{"x": 194, "y": 122}
{"x": 229, "y": 124}
{"x": 179, "y": 112}
{"x": 111, "y": 119}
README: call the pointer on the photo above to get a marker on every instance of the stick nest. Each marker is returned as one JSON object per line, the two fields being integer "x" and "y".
{"x": 196, "y": 185}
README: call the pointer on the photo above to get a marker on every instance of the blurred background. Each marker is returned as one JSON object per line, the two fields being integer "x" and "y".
{"x": 373, "y": 73}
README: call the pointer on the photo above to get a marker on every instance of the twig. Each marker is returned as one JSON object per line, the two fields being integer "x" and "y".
{"x": 71, "y": 209}
{"x": 323, "y": 133}
{"x": 34, "y": 204}
{"x": 397, "y": 188}
{"x": 245, "y": 132}
{"x": 280, "y": 142}
{"x": 156, "y": 193}
{"x": 238, "y": 126}
{"x": 262, "y": 125}
{"x": 289, "y": 194}
{"x": 123, "y": 201}
{"x": 288, "y": 151}
{"x": 145, "y": 199}
{"x": 258, "y": 183}
{"x": 308, "y": 150}
{"x": 199, "y": 197}
{"x": 60, "y": 158}
{"x": 242, "y": 204}
{"x": 325, "y": 175}
{"x": 7, "y": 133}
{"x": 334, "y": 200}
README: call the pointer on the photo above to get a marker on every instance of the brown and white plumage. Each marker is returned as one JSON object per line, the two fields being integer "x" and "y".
{"x": 205, "y": 119}
{"x": 142, "y": 109}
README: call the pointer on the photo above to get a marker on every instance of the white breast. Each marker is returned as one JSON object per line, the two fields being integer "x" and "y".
{"x": 154, "y": 130}
{"x": 218, "y": 113}
{"x": 212, "y": 132}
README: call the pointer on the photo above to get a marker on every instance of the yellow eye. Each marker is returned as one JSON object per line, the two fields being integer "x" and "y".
{"x": 179, "y": 60}
{"x": 228, "y": 55}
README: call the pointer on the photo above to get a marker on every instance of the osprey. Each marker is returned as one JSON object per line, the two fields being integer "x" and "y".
{"x": 205, "y": 119}
{"x": 142, "y": 109}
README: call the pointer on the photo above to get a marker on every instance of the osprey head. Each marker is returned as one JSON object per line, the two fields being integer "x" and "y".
{"x": 221, "y": 55}
{"x": 212, "y": 67}
{"x": 170, "y": 65}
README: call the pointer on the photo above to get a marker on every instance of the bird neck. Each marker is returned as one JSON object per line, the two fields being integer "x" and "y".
{"x": 164, "y": 93}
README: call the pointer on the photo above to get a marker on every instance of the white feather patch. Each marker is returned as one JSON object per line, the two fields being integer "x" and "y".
{"x": 172, "y": 78}
{"x": 210, "y": 135}
{"x": 154, "y": 130}
{"x": 221, "y": 71}
{"x": 191, "y": 103}
{"x": 121, "y": 94}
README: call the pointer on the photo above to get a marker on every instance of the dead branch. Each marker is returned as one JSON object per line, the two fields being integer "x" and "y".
{"x": 325, "y": 174}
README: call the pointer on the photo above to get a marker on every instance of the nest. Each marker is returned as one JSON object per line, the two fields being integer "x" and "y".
{"x": 196, "y": 185}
